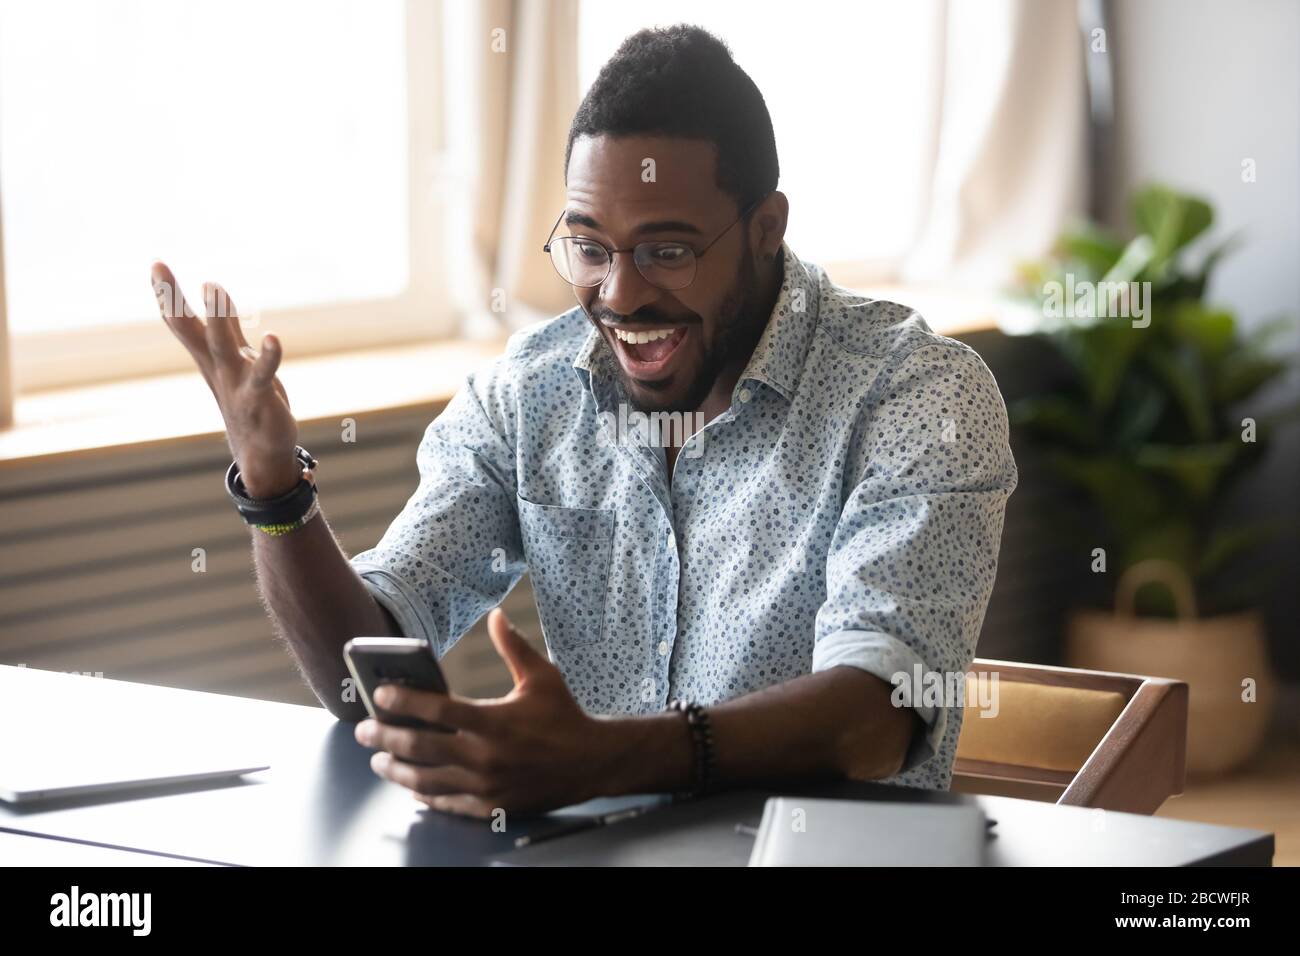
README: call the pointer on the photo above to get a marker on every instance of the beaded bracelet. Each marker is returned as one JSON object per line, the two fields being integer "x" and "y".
{"x": 697, "y": 719}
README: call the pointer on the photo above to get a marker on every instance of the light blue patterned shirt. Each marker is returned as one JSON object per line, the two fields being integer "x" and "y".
{"x": 845, "y": 510}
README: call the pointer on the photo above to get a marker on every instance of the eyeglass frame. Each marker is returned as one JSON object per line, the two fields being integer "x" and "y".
{"x": 610, "y": 253}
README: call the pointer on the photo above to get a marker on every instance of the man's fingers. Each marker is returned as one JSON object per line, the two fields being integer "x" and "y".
{"x": 429, "y": 747}
{"x": 520, "y": 656}
{"x": 460, "y": 803}
{"x": 223, "y": 339}
{"x": 180, "y": 318}
{"x": 265, "y": 364}
{"x": 434, "y": 708}
{"x": 267, "y": 361}
{"x": 428, "y": 781}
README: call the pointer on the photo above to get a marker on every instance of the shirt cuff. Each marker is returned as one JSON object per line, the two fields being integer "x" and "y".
{"x": 391, "y": 592}
{"x": 888, "y": 658}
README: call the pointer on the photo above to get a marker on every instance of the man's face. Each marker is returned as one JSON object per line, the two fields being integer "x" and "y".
{"x": 713, "y": 322}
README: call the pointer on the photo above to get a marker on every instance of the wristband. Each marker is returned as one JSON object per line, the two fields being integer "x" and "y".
{"x": 282, "y": 514}
{"x": 276, "y": 530}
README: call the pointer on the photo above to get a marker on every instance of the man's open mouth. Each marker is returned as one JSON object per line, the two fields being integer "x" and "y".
{"x": 647, "y": 353}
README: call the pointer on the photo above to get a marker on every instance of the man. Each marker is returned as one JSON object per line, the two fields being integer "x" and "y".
{"x": 721, "y": 602}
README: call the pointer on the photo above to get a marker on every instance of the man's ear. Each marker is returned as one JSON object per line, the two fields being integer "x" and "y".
{"x": 767, "y": 225}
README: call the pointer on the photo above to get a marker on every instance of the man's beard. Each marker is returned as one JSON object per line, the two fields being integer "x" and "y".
{"x": 740, "y": 325}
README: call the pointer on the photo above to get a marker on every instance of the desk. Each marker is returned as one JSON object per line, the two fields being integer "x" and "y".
{"x": 320, "y": 804}
{"x": 19, "y": 849}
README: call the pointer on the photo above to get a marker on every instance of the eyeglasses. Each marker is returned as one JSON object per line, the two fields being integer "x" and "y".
{"x": 585, "y": 263}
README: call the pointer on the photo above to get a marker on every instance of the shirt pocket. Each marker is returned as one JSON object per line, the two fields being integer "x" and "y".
{"x": 568, "y": 551}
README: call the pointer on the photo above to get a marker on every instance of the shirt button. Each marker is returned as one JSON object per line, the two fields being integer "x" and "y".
{"x": 663, "y": 648}
{"x": 745, "y": 395}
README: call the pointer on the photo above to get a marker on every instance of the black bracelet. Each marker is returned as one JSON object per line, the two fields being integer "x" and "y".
{"x": 282, "y": 510}
{"x": 697, "y": 719}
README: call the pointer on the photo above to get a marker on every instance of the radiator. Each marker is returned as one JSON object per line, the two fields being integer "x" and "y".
{"x": 133, "y": 564}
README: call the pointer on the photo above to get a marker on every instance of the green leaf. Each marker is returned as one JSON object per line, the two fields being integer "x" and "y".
{"x": 1198, "y": 281}
{"x": 1181, "y": 372}
{"x": 1169, "y": 541}
{"x": 1226, "y": 543}
{"x": 1171, "y": 219}
{"x": 1198, "y": 469}
{"x": 1241, "y": 374}
{"x": 1056, "y": 415}
{"x": 1130, "y": 501}
{"x": 1091, "y": 246}
{"x": 1134, "y": 260}
{"x": 1101, "y": 354}
{"x": 1138, "y": 410}
{"x": 1211, "y": 332}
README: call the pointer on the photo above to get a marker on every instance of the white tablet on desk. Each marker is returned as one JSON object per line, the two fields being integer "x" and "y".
{"x": 68, "y": 735}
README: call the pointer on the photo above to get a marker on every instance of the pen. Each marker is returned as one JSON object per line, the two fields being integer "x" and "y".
{"x": 575, "y": 826}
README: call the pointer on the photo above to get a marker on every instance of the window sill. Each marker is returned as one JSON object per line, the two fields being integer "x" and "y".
{"x": 948, "y": 310}
{"x": 136, "y": 413}
{"x": 139, "y": 412}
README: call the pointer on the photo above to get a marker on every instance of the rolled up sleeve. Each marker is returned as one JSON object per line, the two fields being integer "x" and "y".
{"x": 454, "y": 551}
{"x": 914, "y": 555}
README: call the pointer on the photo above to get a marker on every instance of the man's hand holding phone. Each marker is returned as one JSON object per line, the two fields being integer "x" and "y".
{"x": 533, "y": 750}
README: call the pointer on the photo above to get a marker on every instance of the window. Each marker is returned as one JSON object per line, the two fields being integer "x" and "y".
{"x": 284, "y": 149}
{"x": 852, "y": 90}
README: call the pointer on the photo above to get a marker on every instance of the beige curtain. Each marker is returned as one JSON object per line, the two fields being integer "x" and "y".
{"x": 6, "y": 368}
{"x": 525, "y": 97}
{"x": 1010, "y": 147}
{"x": 1006, "y": 167}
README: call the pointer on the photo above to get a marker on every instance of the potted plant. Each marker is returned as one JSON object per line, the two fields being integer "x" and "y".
{"x": 1154, "y": 425}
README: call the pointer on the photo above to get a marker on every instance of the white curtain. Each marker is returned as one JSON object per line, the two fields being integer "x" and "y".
{"x": 1010, "y": 140}
{"x": 525, "y": 92}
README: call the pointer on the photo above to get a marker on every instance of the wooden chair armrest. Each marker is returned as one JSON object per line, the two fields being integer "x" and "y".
{"x": 1142, "y": 760}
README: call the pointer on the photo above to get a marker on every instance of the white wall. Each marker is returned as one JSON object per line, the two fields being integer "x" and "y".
{"x": 1202, "y": 85}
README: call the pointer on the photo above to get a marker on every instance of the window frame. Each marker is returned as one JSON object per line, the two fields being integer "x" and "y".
{"x": 423, "y": 312}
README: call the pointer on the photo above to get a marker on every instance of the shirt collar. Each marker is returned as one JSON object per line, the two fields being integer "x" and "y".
{"x": 778, "y": 358}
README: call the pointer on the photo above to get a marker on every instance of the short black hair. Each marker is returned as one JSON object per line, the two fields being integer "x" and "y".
{"x": 681, "y": 81}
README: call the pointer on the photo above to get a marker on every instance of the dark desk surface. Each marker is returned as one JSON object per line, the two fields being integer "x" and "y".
{"x": 320, "y": 804}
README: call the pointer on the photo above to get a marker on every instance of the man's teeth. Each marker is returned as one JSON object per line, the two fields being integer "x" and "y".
{"x": 641, "y": 338}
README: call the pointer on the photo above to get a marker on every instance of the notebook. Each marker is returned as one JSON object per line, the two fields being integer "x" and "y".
{"x": 798, "y": 831}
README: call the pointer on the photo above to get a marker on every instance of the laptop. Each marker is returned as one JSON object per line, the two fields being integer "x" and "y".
{"x": 68, "y": 735}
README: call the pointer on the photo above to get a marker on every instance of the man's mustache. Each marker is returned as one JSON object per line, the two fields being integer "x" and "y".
{"x": 648, "y": 318}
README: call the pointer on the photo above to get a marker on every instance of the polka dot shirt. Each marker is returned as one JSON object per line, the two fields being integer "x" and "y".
{"x": 845, "y": 510}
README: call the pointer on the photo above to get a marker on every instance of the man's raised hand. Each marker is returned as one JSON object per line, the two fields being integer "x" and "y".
{"x": 260, "y": 428}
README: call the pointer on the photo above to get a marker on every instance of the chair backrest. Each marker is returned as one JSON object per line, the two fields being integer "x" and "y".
{"x": 1074, "y": 737}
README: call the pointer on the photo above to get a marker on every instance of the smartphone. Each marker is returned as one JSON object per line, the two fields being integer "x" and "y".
{"x": 407, "y": 661}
